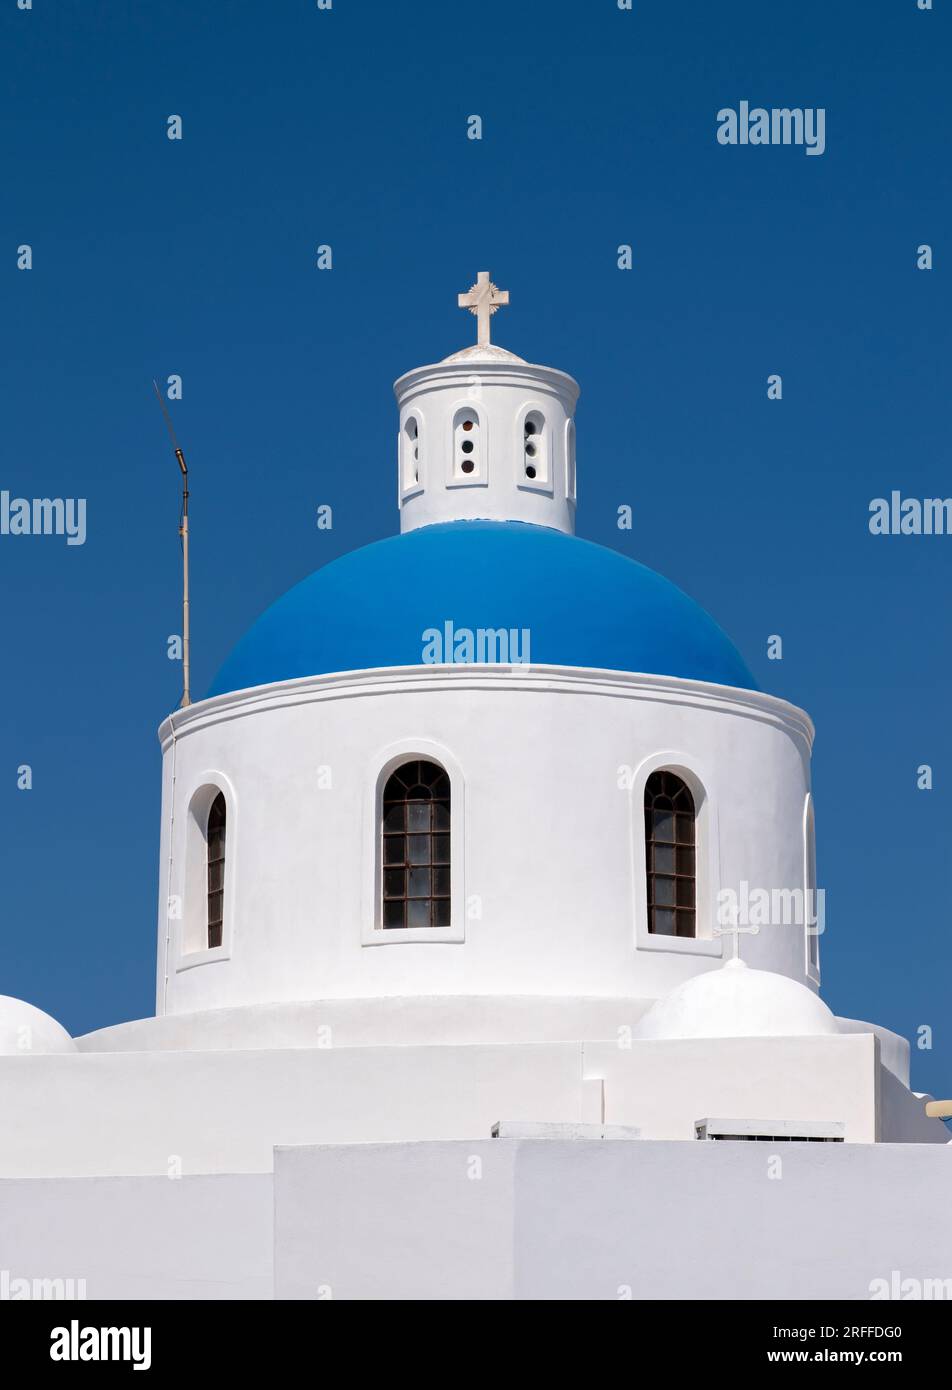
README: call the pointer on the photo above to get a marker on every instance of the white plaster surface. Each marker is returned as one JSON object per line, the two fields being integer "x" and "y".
{"x": 665, "y": 1086}
{"x": 124, "y": 1113}
{"x": 25, "y": 1030}
{"x": 455, "y": 1019}
{"x": 894, "y": 1049}
{"x": 736, "y": 1001}
{"x": 498, "y": 1219}
{"x": 499, "y": 393}
{"x": 421, "y": 1221}
{"x": 599, "y": 1220}
{"x": 555, "y": 902}
{"x": 193, "y": 1237}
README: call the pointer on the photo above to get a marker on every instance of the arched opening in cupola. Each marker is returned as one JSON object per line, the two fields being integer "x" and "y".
{"x": 467, "y": 446}
{"x": 411, "y": 446}
{"x": 535, "y": 448}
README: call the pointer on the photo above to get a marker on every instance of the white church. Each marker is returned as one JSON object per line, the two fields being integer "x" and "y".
{"x": 489, "y": 944}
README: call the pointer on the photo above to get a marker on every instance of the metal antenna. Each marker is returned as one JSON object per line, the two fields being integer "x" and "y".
{"x": 183, "y": 532}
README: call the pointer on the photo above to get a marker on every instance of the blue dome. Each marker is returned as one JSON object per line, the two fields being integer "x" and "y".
{"x": 583, "y": 605}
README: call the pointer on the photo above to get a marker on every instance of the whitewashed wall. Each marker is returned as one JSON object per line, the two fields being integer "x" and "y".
{"x": 138, "y": 1113}
{"x": 194, "y": 1238}
{"x": 549, "y": 889}
{"x": 497, "y": 391}
{"x": 609, "y": 1219}
{"x": 501, "y": 1219}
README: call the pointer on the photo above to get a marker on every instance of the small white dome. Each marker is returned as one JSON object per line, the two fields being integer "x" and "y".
{"x": 737, "y": 1002}
{"x": 26, "y": 1031}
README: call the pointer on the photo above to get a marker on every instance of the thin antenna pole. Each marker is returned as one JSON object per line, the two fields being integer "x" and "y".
{"x": 183, "y": 532}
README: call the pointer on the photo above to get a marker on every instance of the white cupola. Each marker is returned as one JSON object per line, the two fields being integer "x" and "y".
{"x": 485, "y": 435}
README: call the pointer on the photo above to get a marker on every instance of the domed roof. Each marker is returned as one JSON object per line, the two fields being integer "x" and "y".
{"x": 26, "y": 1031}
{"x": 582, "y": 605}
{"x": 737, "y": 1002}
{"x": 484, "y": 352}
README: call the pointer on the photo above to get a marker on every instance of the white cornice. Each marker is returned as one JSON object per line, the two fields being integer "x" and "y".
{"x": 568, "y": 680}
{"x": 508, "y": 372}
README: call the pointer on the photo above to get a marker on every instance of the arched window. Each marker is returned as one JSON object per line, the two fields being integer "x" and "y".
{"x": 411, "y": 440}
{"x": 467, "y": 451}
{"x": 570, "y": 460}
{"x": 535, "y": 448}
{"x": 415, "y": 847}
{"x": 669, "y": 855}
{"x": 215, "y": 840}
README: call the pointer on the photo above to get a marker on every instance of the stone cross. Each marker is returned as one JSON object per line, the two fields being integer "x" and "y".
{"x": 735, "y": 931}
{"x": 483, "y": 299}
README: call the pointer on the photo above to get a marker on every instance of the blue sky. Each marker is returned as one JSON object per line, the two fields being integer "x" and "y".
{"x": 348, "y": 127}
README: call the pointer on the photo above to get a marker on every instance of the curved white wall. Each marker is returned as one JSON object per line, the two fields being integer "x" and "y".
{"x": 547, "y": 768}
{"x": 463, "y": 442}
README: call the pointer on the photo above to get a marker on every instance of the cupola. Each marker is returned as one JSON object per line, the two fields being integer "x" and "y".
{"x": 485, "y": 435}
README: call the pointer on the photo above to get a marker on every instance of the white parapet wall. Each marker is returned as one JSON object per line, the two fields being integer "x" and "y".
{"x": 540, "y": 1218}
{"x": 133, "y": 1113}
{"x": 116, "y": 1238}
{"x": 613, "y": 1219}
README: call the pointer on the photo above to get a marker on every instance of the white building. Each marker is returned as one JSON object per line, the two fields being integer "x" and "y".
{"x": 480, "y": 824}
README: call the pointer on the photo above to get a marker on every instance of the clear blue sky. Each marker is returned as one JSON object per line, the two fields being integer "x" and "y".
{"x": 349, "y": 127}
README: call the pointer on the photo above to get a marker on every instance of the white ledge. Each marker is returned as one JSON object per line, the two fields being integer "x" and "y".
{"x": 569, "y": 680}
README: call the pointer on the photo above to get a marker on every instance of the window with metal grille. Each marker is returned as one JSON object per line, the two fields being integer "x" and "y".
{"x": 215, "y": 840}
{"x": 415, "y": 847}
{"x": 670, "y": 855}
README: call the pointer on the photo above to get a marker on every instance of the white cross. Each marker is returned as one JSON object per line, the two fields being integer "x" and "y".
{"x": 483, "y": 299}
{"x": 734, "y": 930}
